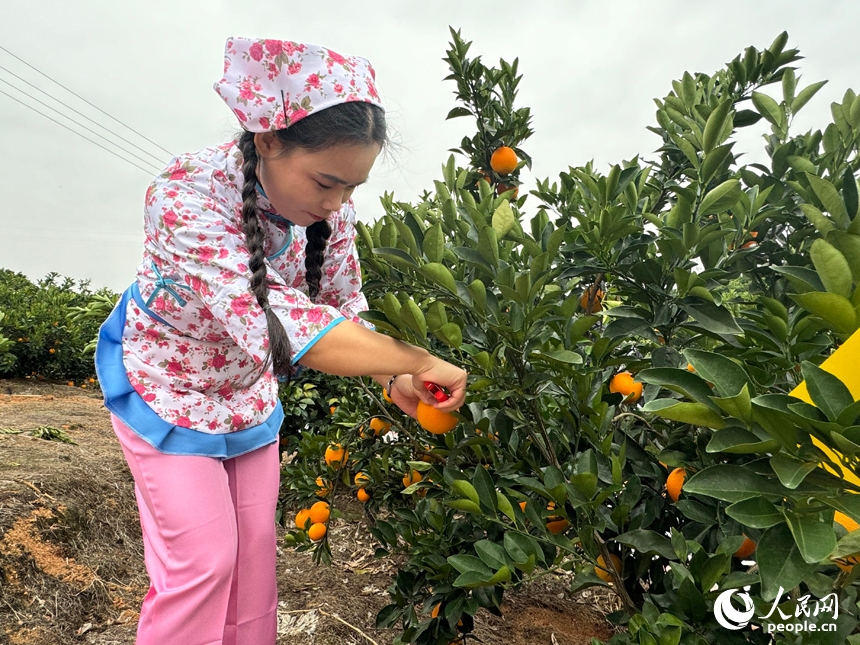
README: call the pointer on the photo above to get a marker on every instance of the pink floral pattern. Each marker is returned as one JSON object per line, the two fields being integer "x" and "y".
{"x": 271, "y": 84}
{"x": 197, "y": 374}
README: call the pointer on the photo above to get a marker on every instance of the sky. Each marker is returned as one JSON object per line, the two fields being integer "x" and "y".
{"x": 590, "y": 73}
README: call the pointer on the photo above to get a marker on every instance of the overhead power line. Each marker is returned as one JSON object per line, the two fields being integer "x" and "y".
{"x": 148, "y": 172}
{"x": 157, "y": 169}
{"x": 85, "y": 101}
{"x": 54, "y": 98}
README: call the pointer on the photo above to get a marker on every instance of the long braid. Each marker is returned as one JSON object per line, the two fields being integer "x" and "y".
{"x": 278, "y": 352}
{"x": 317, "y": 235}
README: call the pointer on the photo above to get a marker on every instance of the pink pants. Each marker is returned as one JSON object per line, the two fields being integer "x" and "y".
{"x": 209, "y": 544}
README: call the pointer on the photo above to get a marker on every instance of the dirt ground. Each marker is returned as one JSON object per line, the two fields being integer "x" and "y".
{"x": 71, "y": 551}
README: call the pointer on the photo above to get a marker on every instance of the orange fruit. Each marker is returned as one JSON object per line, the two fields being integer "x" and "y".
{"x": 623, "y": 384}
{"x": 92, "y": 380}
{"x": 361, "y": 479}
{"x": 435, "y": 612}
{"x": 587, "y": 296}
{"x": 557, "y": 526}
{"x": 690, "y": 368}
{"x": 675, "y": 482}
{"x": 434, "y": 421}
{"x": 335, "y": 455}
{"x": 52, "y": 350}
{"x": 503, "y": 188}
{"x": 362, "y": 495}
{"x": 504, "y": 160}
{"x": 414, "y": 479}
{"x": 746, "y": 549}
{"x": 303, "y": 517}
{"x": 317, "y": 532}
{"x": 332, "y": 409}
{"x": 325, "y": 487}
{"x": 70, "y": 384}
{"x": 486, "y": 177}
{"x": 523, "y": 506}
{"x": 603, "y": 571}
{"x": 385, "y": 395}
{"x": 746, "y": 245}
{"x": 378, "y": 425}
{"x": 320, "y": 513}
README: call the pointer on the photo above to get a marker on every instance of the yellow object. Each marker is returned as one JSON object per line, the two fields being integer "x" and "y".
{"x": 843, "y": 365}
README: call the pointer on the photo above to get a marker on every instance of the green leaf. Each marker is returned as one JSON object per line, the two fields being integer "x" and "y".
{"x": 791, "y": 471}
{"x": 491, "y": 554}
{"x": 780, "y": 562}
{"x": 755, "y": 512}
{"x": 727, "y": 376}
{"x": 715, "y": 124}
{"x": 716, "y": 319}
{"x": 730, "y": 483}
{"x": 466, "y": 563}
{"x": 458, "y": 111}
{"x": 483, "y": 484}
{"x": 721, "y": 197}
{"x": 818, "y": 219}
{"x": 828, "y": 393}
{"x": 434, "y": 243}
{"x": 488, "y": 245}
{"x": 649, "y": 542}
{"x": 412, "y": 316}
{"x": 684, "y": 382}
{"x": 398, "y": 255}
{"x": 464, "y": 488}
{"x": 849, "y": 185}
{"x": 693, "y": 413}
{"x": 465, "y": 505}
{"x": 805, "y": 94}
{"x": 504, "y": 505}
{"x": 815, "y": 539}
{"x": 769, "y": 109}
{"x": 503, "y": 219}
{"x": 829, "y": 196}
{"x": 738, "y": 406}
{"x": 479, "y": 295}
{"x": 737, "y": 440}
{"x": 439, "y": 274}
{"x": 451, "y": 334}
{"x": 830, "y": 307}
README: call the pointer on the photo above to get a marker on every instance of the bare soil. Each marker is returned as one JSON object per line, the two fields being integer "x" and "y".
{"x": 71, "y": 550}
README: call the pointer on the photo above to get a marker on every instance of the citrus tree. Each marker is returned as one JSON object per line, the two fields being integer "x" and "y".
{"x": 632, "y": 340}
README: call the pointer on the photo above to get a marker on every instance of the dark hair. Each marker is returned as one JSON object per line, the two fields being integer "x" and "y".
{"x": 349, "y": 122}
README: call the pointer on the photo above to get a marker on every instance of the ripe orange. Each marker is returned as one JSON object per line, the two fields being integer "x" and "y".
{"x": 746, "y": 245}
{"x": 303, "y": 517}
{"x": 746, "y": 549}
{"x": 320, "y": 513}
{"x": 414, "y": 479}
{"x": 435, "y": 612}
{"x": 362, "y": 495}
{"x": 378, "y": 425}
{"x": 332, "y": 409}
{"x": 690, "y": 368}
{"x": 588, "y": 295}
{"x": 523, "y": 506}
{"x": 603, "y": 571}
{"x": 335, "y": 455}
{"x": 317, "y": 532}
{"x": 324, "y": 487}
{"x": 70, "y": 384}
{"x": 623, "y": 384}
{"x": 557, "y": 526}
{"x": 675, "y": 482}
{"x": 503, "y": 188}
{"x": 385, "y": 395}
{"x": 486, "y": 177}
{"x": 504, "y": 160}
{"x": 52, "y": 350}
{"x": 361, "y": 479}
{"x": 434, "y": 421}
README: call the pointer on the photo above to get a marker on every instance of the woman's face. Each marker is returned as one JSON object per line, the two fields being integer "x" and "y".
{"x": 306, "y": 187}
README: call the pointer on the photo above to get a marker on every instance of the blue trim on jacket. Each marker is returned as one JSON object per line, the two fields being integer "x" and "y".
{"x": 124, "y": 402}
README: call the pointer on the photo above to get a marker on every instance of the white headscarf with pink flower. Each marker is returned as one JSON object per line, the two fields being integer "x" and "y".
{"x": 271, "y": 84}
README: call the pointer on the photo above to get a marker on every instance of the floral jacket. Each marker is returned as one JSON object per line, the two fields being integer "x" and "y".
{"x": 192, "y": 351}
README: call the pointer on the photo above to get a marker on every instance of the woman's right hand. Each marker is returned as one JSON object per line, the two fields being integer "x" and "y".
{"x": 443, "y": 374}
